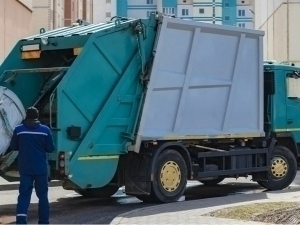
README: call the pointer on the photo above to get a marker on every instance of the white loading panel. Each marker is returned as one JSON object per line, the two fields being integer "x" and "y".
{"x": 206, "y": 82}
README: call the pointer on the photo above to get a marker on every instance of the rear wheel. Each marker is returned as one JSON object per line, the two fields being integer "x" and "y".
{"x": 282, "y": 171}
{"x": 170, "y": 177}
{"x": 103, "y": 192}
{"x": 212, "y": 182}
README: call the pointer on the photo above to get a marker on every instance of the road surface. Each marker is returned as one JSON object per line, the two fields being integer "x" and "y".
{"x": 68, "y": 207}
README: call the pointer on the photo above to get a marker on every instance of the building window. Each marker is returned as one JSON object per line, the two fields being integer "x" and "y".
{"x": 185, "y": 12}
{"x": 227, "y": 17}
{"x": 241, "y": 12}
{"x": 51, "y": 15}
{"x": 150, "y": 2}
{"x": 149, "y": 13}
{"x": 241, "y": 25}
{"x": 201, "y": 11}
{"x": 108, "y": 1}
{"x": 108, "y": 14}
{"x": 170, "y": 11}
{"x": 226, "y": 4}
{"x": 58, "y": 21}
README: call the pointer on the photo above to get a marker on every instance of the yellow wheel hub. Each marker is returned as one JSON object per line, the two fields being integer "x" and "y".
{"x": 170, "y": 176}
{"x": 279, "y": 167}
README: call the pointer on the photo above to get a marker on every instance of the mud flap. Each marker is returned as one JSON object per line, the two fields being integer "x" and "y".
{"x": 264, "y": 176}
{"x": 137, "y": 175}
{"x": 134, "y": 186}
{"x": 261, "y": 176}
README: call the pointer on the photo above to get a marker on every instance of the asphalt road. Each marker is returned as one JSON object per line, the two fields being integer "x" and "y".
{"x": 70, "y": 208}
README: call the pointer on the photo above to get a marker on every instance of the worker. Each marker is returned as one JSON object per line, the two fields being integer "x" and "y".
{"x": 33, "y": 141}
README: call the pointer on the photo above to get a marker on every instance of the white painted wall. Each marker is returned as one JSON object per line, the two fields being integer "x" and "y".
{"x": 141, "y": 13}
{"x": 140, "y": 8}
{"x": 27, "y": 3}
{"x": 281, "y": 41}
{"x": 264, "y": 9}
{"x": 15, "y": 23}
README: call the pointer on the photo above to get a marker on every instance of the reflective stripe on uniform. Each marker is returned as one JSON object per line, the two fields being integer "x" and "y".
{"x": 30, "y": 132}
{"x": 21, "y": 215}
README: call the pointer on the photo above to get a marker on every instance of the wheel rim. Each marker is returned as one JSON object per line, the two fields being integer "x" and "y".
{"x": 170, "y": 176}
{"x": 279, "y": 167}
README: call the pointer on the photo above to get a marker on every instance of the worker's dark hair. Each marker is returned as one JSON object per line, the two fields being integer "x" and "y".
{"x": 32, "y": 113}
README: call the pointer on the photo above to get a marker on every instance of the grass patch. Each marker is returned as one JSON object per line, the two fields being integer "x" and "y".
{"x": 253, "y": 211}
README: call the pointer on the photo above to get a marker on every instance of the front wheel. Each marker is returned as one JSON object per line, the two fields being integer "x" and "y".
{"x": 262, "y": 184}
{"x": 170, "y": 176}
{"x": 282, "y": 171}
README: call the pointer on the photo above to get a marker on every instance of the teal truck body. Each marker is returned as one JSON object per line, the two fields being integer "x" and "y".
{"x": 97, "y": 87}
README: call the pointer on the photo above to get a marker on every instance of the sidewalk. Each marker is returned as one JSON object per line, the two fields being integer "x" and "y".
{"x": 6, "y": 186}
{"x": 190, "y": 212}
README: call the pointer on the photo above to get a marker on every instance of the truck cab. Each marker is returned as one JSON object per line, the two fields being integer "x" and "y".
{"x": 282, "y": 104}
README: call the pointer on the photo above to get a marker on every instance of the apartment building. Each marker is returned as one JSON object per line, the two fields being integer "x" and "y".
{"x": 279, "y": 19}
{"x": 15, "y": 23}
{"x": 87, "y": 13}
{"x": 52, "y": 14}
{"x": 73, "y": 11}
{"x": 228, "y": 12}
{"x": 244, "y": 14}
{"x": 210, "y": 11}
{"x": 48, "y": 14}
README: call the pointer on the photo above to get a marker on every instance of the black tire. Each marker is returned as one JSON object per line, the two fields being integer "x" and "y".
{"x": 289, "y": 165}
{"x": 147, "y": 199}
{"x": 103, "y": 192}
{"x": 262, "y": 184}
{"x": 213, "y": 182}
{"x": 169, "y": 159}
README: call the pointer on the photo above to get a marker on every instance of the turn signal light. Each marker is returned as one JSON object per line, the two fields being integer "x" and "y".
{"x": 62, "y": 172}
{"x": 61, "y": 155}
{"x": 61, "y": 163}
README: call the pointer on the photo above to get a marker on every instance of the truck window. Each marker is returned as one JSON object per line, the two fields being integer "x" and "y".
{"x": 293, "y": 86}
{"x": 269, "y": 83}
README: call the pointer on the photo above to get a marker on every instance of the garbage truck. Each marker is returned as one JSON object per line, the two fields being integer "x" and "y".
{"x": 152, "y": 103}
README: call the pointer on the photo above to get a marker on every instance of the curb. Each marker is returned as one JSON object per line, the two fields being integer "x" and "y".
{"x": 119, "y": 218}
{"x": 15, "y": 186}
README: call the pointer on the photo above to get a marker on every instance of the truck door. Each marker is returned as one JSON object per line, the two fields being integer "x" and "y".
{"x": 293, "y": 104}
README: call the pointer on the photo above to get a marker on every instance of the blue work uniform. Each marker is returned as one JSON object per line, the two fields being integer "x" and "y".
{"x": 33, "y": 141}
